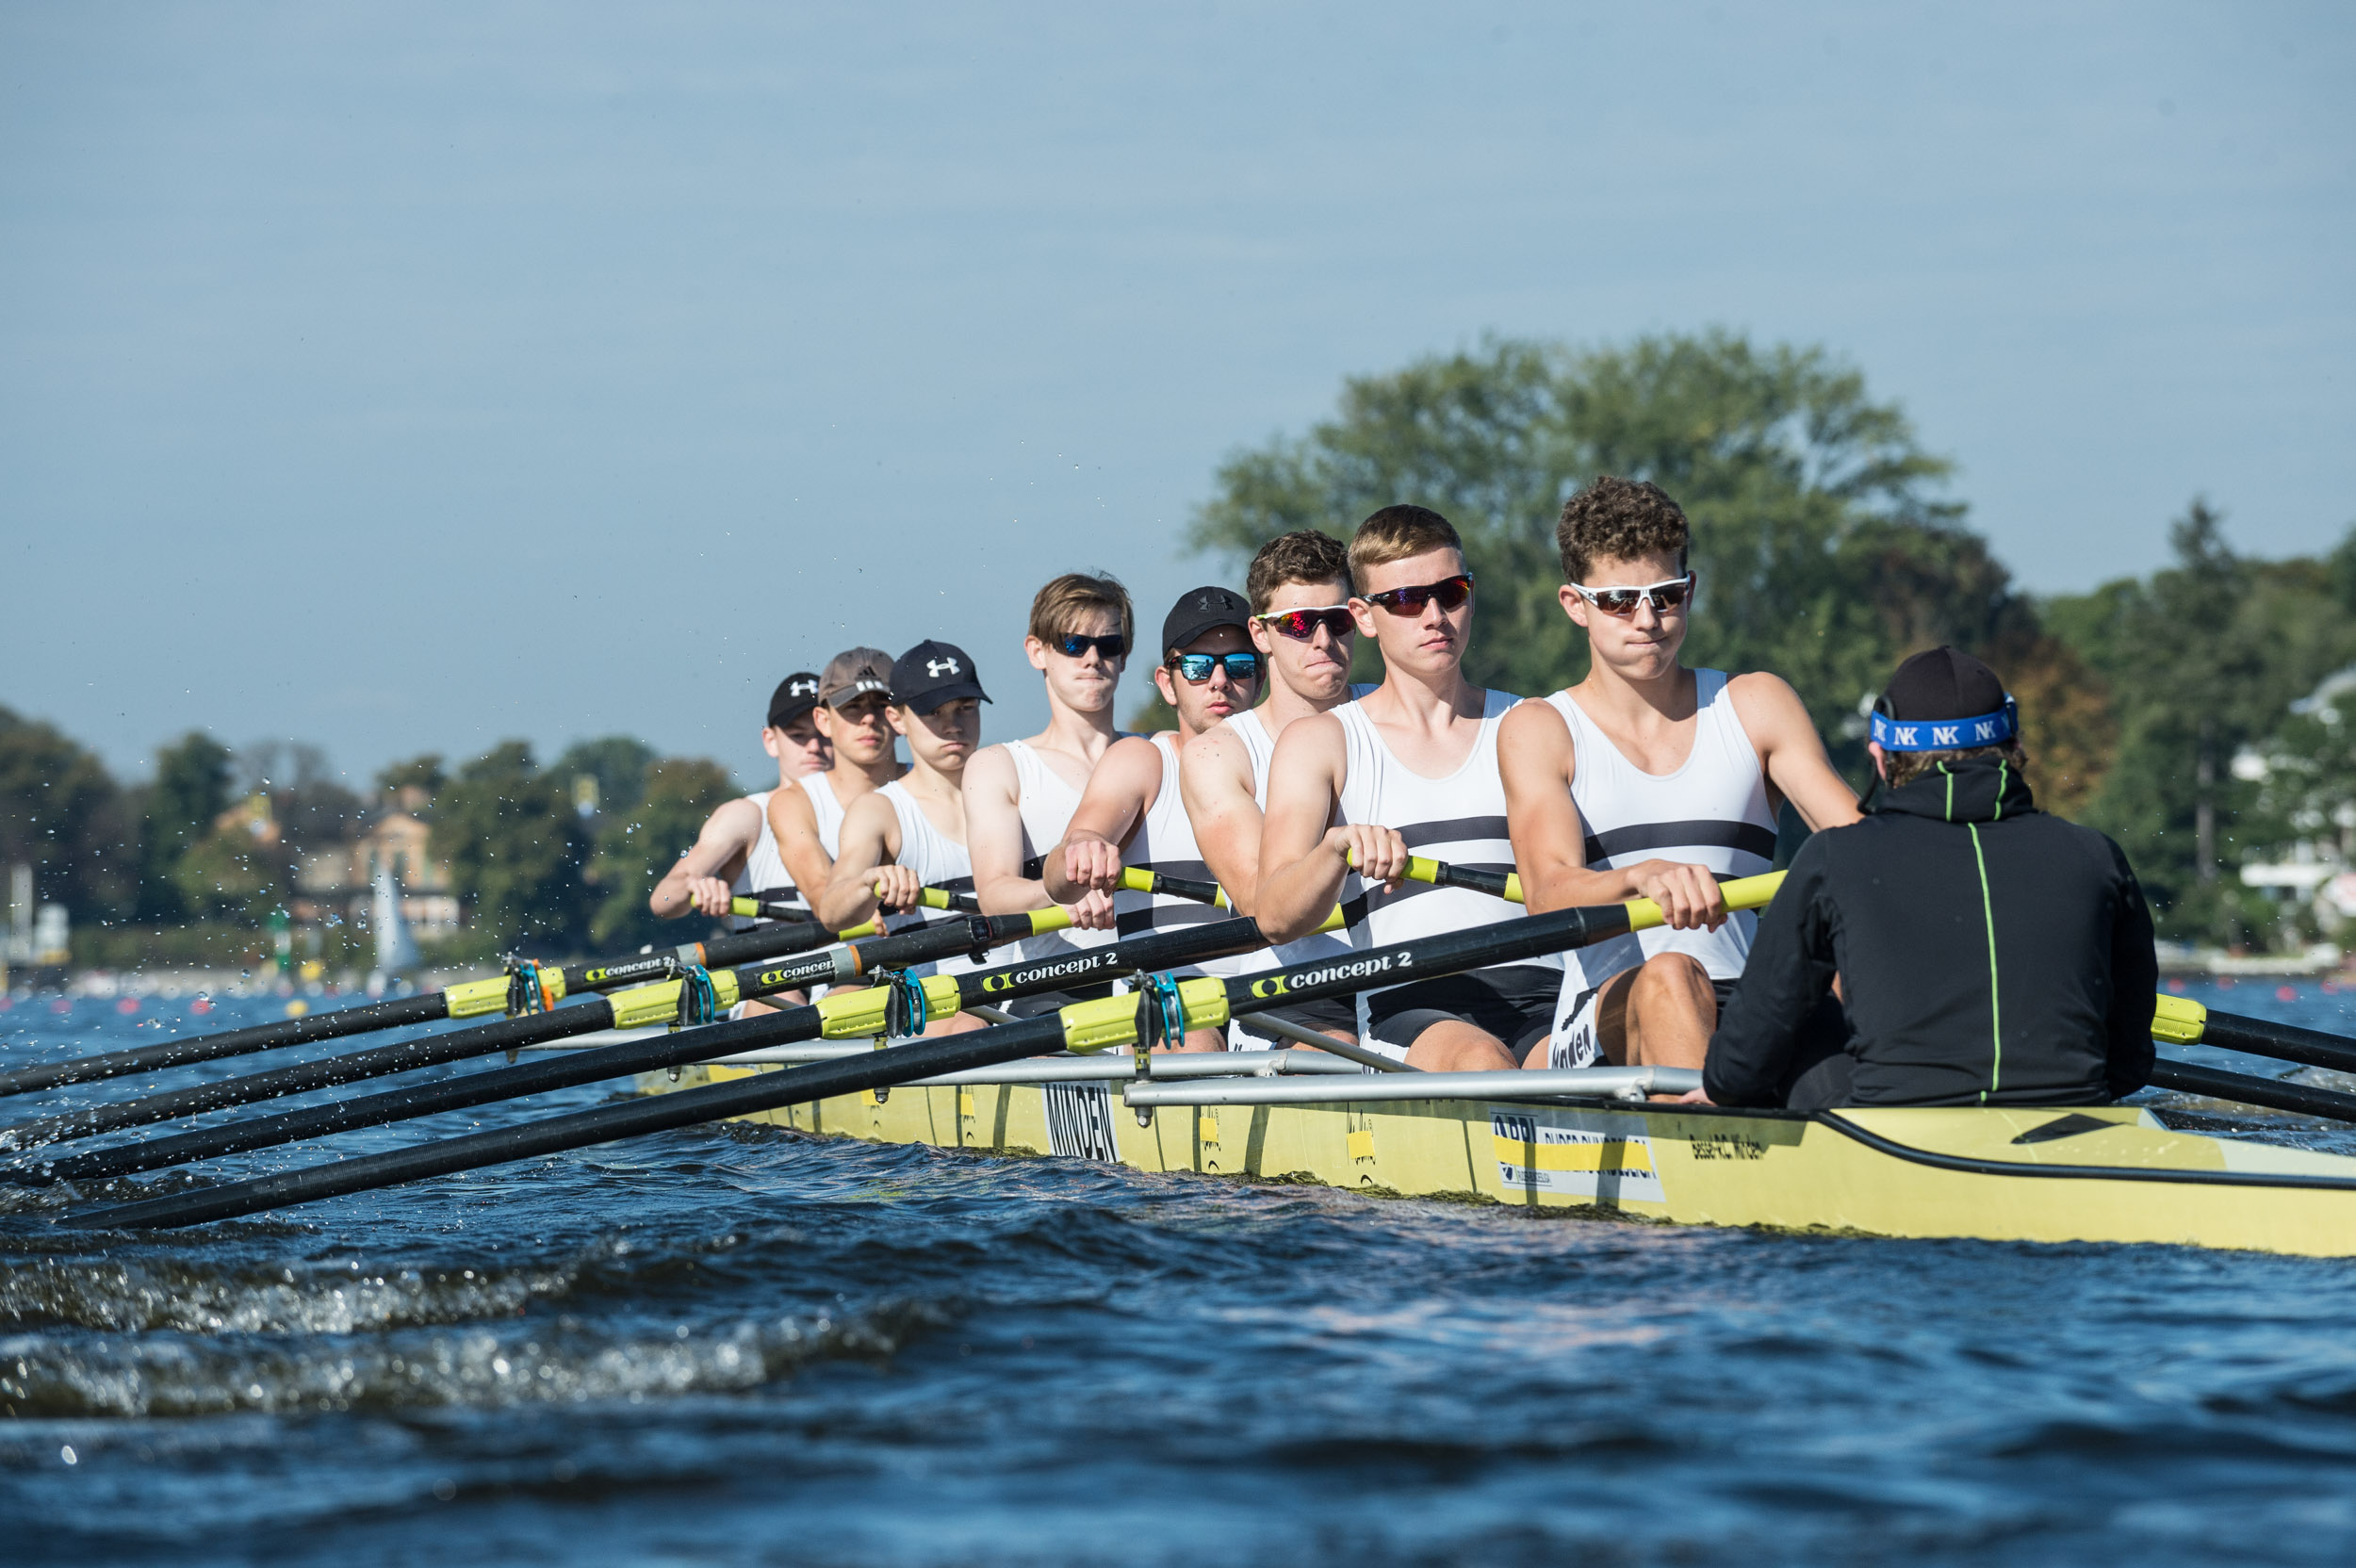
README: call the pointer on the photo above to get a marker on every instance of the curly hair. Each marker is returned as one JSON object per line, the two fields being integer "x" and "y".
{"x": 1304, "y": 555}
{"x": 1902, "y": 768}
{"x": 1625, "y": 519}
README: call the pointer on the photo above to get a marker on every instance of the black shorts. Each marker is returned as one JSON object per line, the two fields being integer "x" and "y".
{"x": 1513, "y": 1001}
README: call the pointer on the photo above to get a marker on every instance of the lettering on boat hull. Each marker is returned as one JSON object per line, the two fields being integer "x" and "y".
{"x": 1574, "y": 1154}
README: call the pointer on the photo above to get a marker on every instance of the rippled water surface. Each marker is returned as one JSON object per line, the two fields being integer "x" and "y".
{"x": 746, "y": 1345}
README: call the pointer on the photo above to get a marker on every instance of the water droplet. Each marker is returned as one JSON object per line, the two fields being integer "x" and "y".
{"x": 68, "y": 1455}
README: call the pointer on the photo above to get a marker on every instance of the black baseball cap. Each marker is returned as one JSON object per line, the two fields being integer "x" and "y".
{"x": 795, "y": 696}
{"x": 1201, "y": 610}
{"x": 933, "y": 673}
{"x": 1944, "y": 683}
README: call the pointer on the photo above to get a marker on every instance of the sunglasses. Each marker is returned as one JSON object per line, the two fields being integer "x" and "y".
{"x": 1622, "y": 602}
{"x": 1302, "y": 624}
{"x": 1197, "y": 667}
{"x": 1072, "y": 645}
{"x": 1451, "y": 591}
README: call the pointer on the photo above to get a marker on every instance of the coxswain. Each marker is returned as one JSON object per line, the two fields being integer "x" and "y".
{"x": 1987, "y": 952}
{"x": 735, "y": 856}
{"x": 1648, "y": 779}
{"x": 1410, "y": 767}
{"x": 1019, "y": 794}
{"x": 808, "y": 820}
{"x": 1132, "y": 812}
{"x": 1298, "y": 589}
{"x": 909, "y": 835}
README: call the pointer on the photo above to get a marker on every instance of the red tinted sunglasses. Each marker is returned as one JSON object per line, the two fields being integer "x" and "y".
{"x": 1302, "y": 624}
{"x": 1451, "y": 591}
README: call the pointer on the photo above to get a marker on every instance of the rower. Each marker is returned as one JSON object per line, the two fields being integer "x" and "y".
{"x": 1412, "y": 765}
{"x": 909, "y": 835}
{"x": 1299, "y": 591}
{"x": 736, "y": 855}
{"x": 1019, "y": 794}
{"x": 808, "y": 820}
{"x": 1132, "y": 812}
{"x": 1987, "y": 954}
{"x": 1651, "y": 780}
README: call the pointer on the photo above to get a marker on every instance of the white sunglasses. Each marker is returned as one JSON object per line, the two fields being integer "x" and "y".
{"x": 1622, "y": 602}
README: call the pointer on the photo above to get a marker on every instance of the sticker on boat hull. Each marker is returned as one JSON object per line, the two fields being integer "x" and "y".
{"x": 1574, "y": 1154}
{"x": 1080, "y": 1121}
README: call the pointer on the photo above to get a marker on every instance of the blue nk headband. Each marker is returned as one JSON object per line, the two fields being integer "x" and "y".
{"x": 1987, "y": 730}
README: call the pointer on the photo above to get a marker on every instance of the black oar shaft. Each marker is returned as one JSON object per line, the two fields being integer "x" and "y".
{"x": 786, "y": 1026}
{"x": 2243, "y": 1089}
{"x": 392, "y": 1013}
{"x": 2265, "y": 1038}
{"x": 583, "y": 1129}
{"x": 399, "y": 1012}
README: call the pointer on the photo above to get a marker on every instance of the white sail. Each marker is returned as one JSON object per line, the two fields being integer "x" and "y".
{"x": 395, "y": 949}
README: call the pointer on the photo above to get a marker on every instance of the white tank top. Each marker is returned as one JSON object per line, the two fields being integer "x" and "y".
{"x": 764, "y": 873}
{"x": 1261, "y": 746}
{"x": 1712, "y": 812}
{"x": 1047, "y": 803}
{"x": 1164, "y": 842}
{"x": 938, "y": 860}
{"x": 1460, "y": 819}
{"x": 827, "y": 808}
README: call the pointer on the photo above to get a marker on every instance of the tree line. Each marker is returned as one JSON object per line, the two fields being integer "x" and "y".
{"x": 2158, "y": 708}
{"x": 150, "y": 872}
{"x": 1829, "y": 549}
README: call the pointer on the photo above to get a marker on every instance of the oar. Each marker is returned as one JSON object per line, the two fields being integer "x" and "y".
{"x": 528, "y": 987}
{"x": 661, "y": 1002}
{"x": 2271, "y": 1093}
{"x": 932, "y": 898}
{"x": 841, "y": 1015}
{"x": 2180, "y": 1020}
{"x": 1145, "y": 879}
{"x": 1159, "y": 1010}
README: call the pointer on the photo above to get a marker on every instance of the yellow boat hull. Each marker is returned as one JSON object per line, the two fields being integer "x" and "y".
{"x": 2109, "y": 1174}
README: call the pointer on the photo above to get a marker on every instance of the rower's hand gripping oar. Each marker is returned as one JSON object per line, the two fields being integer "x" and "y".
{"x": 699, "y": 996}
{"x": 1159, "y": 1009}
{"x": 526, "y": 988}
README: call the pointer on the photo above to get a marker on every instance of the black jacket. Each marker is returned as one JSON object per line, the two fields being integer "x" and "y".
{"x": 1989, "y": 954}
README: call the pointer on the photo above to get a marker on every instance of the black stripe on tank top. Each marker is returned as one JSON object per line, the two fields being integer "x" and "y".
{"x": 1745, "y": 835}
{"x": 1164, "y": 916}
{"x": 1454, "y": 830}
{"x": 1191, "y": 871}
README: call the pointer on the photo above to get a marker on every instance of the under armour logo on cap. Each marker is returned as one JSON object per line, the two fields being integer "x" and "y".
{"x": 938, "y": 667}
{"x": 801, "y": 688}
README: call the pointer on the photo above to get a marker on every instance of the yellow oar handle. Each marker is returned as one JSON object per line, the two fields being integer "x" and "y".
{"x": 1053, "y": 918}
{"x": 1743, "y": 893}
{"x": 2178, "y": 1020}
{"x": 1439, "y": 873}
{"x": 926, "y": 898}
{"x": 1139, "y": 879}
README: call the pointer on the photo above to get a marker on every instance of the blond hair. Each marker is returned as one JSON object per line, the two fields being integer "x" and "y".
{"x": 1395, "y": 533}
{"x": 1065, "y": 599}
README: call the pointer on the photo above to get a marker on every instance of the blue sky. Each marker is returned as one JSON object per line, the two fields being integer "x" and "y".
{"x": 405, "y": 378}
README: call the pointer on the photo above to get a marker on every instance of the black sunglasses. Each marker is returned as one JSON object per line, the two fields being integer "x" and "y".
{"x": 1197, "y": 667}
{"x": 1072, "y": 645}
{"x": 1451, "y": 591}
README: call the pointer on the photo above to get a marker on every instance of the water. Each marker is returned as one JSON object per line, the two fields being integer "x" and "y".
{"x": 744, "y": 1345}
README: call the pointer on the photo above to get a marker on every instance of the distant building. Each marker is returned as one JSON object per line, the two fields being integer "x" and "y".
{"x": 343, "y": 876}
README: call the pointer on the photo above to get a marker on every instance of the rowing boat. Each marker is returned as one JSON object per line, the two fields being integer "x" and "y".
{"x": 2104, "y": 1174}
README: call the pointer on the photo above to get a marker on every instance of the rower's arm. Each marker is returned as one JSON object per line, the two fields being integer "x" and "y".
{"x": 869, "y": 830}
{"x": 794, "y": 825}
{"x": 1791, "y": 752}
{"x": 718, "y": 854}
{"x": 1537, "y": 760}
{"x": 993, "y": 835}
{"x": 1305, "y": 856}
{"x": 1215, "y": 778}
{"x": 1790, "y": 968}
{"x": 1120, "y": 791}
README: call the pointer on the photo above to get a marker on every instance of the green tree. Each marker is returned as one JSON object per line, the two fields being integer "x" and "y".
{"x": 617, "y": 762}
{"x": 515, "y": 848}
{"x": 2202, "y": 660}
{"x": 1826, "y": 550}
{"x": 63, "y": 814}
{"x": 419, "y": 772}
{"x": 636, "y": 846}
{"x": 231, "y": 875}
{"x": 192, "y": 787}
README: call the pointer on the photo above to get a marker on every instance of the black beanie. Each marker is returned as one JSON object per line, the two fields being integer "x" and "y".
{"x": 1942, "y": 684}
